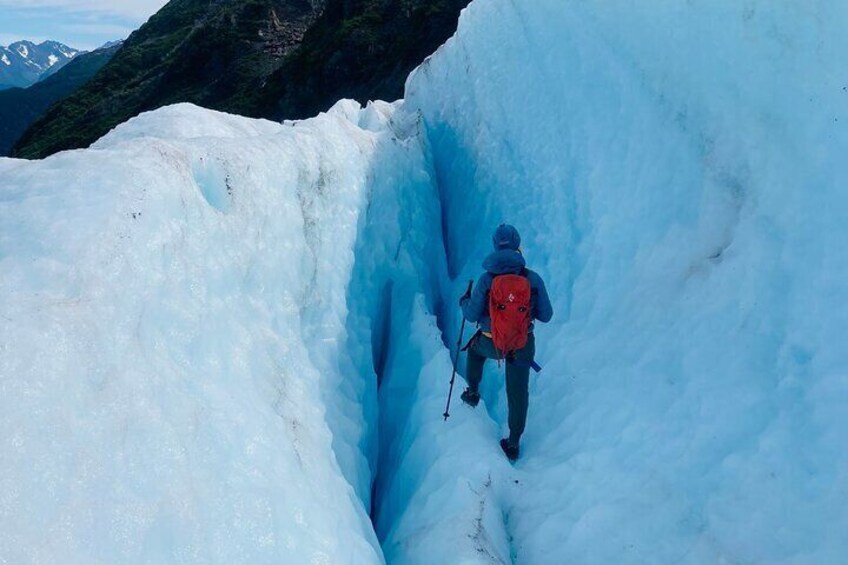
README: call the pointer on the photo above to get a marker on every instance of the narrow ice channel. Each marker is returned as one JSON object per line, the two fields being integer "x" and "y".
{"x": 223, "y": 339}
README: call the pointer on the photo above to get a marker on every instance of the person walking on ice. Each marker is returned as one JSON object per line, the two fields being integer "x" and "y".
{"x": 506, "y": 300}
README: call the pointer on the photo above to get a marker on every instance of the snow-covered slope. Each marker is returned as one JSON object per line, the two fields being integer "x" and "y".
{"x": 176, "y": 382}
{"x": 216, "y": 332}
{"x": 678, "y": 174}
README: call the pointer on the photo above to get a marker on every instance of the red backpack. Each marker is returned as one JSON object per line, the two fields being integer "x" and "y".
{"x": 509, "y": 309}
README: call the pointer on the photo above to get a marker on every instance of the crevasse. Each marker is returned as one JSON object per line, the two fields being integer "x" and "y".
{"x": 223, "y": 339}
{"x": 179, "y": 382}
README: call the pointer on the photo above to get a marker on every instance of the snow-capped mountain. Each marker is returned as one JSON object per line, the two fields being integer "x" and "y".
{"x": 20, "y": 107}
{"x": 24, "y": 63}
{"x": 110, "y": 44}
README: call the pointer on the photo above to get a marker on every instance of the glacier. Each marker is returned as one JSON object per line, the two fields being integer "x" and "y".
{"x": 677, "y": 174}
{"x": 179, "y": 382}
{"x": 229, "y": 340}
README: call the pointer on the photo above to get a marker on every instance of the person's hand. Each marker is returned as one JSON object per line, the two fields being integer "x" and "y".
{"x": 465, "y": 296}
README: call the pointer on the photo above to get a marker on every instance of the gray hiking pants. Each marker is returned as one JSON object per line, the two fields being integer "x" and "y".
{"x": 517, "y": 378}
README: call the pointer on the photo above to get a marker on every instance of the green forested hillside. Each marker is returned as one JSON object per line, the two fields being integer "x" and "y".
{"x": 361, "y": 49}
{"x": 261, "y": 58}
{"x": 209, "y": 52}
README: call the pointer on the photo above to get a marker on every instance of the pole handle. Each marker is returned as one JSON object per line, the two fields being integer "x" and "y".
{"x": 470, "y": 287}
{"x": 456, "y": 356}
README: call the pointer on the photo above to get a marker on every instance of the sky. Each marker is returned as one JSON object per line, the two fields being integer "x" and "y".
{"x": 83, "y": 24}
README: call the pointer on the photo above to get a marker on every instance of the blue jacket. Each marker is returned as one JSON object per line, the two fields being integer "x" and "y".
{"x": 501, "y": 262}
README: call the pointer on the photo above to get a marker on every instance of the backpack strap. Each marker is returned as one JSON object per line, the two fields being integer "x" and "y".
{"x": 525, "y": 364}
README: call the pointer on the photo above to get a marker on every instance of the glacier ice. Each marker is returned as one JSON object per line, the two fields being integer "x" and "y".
{"x": 223, "y": 339}
{"x": 175, "y": 372}
{"x": 678, "y": 174}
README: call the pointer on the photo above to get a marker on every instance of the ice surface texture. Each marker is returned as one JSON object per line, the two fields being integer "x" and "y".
{"x": 196, "y": 313}
{"x": 677, "y": 173}
{"x": 176, "y": 383}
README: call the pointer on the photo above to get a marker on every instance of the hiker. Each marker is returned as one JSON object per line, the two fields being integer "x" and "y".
{"x": 514, "y": 296}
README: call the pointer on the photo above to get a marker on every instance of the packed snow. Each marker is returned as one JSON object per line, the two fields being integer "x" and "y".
{"x": 174, "y": 316}
{"x": 224, "y": 339}
{"x": 678, "y": 175}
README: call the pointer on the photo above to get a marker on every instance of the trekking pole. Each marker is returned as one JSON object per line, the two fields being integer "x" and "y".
{"x": 456, "y": 356}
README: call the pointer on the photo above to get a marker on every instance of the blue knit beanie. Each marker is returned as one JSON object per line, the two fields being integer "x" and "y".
{"x": 506, "y": 237}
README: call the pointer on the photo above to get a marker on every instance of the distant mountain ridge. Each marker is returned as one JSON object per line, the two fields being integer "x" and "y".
{"x": 20, "y": 107}
{"x": 260, "y": 58}
{"x": 213, "y": 53}
{"x": 24, "y": 63}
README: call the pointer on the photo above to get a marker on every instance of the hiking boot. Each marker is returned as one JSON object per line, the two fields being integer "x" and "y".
{"x": 511, "y": 451}
{"x": 471, "y": 397}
